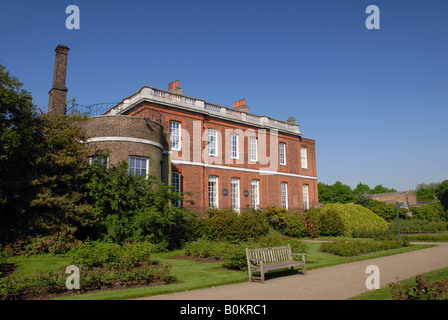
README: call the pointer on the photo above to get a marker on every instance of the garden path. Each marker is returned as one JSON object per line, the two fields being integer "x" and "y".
{"x": 330, "y": 283}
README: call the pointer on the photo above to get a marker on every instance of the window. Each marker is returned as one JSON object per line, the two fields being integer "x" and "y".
{"x": 235, "y": 193}
{"x": 176, "y": 182}
{"x": 213, "y": 191}
{"x": 282, "y": 153}
{"x": 212, "y": 142}
{"x": 284, "y": 194}
{"x": 304, "y": 157}
{"x": 175, "y": 135}
{"x": 253, "y": 149}
{"x": 255, "y": 199}
{"x": 233, "y": 146}
{"x": 138, "y": 166}
{"x": 98, "y": 161}
{"x": 305, "y": 197}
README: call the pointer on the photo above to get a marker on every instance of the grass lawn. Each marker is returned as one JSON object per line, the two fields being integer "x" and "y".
{"x": 189, "y": 274}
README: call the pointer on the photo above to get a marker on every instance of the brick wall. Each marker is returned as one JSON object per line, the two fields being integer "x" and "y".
{"x": 109, "y": 130}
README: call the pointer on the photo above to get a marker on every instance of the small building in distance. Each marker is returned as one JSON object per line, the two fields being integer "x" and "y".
{"x": 408, "y": 197}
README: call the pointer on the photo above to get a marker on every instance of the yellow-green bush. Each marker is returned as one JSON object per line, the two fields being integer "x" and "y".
{"x": 357, "y": 219}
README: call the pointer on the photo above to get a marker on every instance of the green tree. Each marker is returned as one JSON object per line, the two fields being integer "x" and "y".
{"x": 426, "y": 192}
{"x": 380, "y": 189}
{"x": 442, "y": 194}
{"x": 338, "y": 192}
{"x": 61, "y": 173}
{"x": 19, "y": 136}
{"x": 130, "y": 207}
{"x": 361, "y": 188}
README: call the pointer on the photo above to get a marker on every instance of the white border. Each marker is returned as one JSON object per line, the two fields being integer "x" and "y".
{"x": 266, "y": 172}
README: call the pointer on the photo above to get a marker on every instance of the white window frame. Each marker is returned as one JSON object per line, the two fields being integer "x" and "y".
{"x": 175, "y": 131}
{"x": 212, "y": 142}
{"x": 213, "y": 194}
{"x": 132, "y": 169}
{"x": 235, "y": 194}
{"x": 282, "y": 153}
{"x": 284, "y": 194}
{"x": 176, "y": 181}
{"x": 255, "y": 194}
{"x": 234, "y": 154}
{"x": 304, "y": 157}
{"x": 306, "y": 203}
{"x": 253, "y": 149}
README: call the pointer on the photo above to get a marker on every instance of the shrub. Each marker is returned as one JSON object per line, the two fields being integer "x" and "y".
{"x": 354, "y": 248}
{"x": 228, "y": 225}
{"x": 55, "y": 244}
{"x": 387, "y": 211}
{"x": 356, "y": 218}
{"x": 418, "y": 225}
{"x": 233, "y": 255}
{"x": 424, "y": 289}
{"x": 109, "y": 255}
{"x": 299, "y": 225}
{"x": 331, "y": 223}
{"x": 432, "y": 211}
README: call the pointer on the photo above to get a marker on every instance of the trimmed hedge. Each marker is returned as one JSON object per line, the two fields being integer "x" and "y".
{"x": 355, "y": 219}
{"x": 233, "y": 255}
{"x": 354, "y": 248}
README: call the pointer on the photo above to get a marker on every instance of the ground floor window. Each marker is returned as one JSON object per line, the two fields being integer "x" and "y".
{"x": 305, "y": 197}
{"x": 235, "y": 194}
{"x": 176, "y": 183}
{"x": 284, "y": 194}
{"x": 213, "y": 191}
{"x": 255, "y": 198}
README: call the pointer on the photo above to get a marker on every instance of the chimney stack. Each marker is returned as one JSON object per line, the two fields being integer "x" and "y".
{"x": 57, "y": 103}
{"x": 240, "y": 105}
{"x": 173, "y": 87}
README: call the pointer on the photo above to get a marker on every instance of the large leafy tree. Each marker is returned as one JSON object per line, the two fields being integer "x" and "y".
{"x": 19, "y": 136}
{"x": 442, "y": 194}
{"x": 61, "y": 202}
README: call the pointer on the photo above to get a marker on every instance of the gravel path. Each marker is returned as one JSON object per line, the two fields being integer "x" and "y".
{"x": 329, "y": 283}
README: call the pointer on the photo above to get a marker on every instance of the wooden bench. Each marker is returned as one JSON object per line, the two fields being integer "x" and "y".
{"x": 265, "y": 259}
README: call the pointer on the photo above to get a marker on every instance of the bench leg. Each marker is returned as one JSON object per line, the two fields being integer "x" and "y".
{"x": 262, "y": 274}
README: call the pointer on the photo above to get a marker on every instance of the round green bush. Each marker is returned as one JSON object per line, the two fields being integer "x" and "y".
{"x": 356, "y": 219}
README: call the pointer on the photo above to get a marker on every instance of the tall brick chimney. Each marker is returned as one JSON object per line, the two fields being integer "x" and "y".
{"x": 173, "y": 87}
{"x": 57, "y": 103}
{"x": 240, "y": 105}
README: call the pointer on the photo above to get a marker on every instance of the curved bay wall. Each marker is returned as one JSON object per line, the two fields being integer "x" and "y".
{"x": 125, "y": 136}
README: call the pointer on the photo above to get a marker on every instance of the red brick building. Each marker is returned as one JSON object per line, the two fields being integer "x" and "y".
{"x": 228, "y": 157}
{"x": 224, "y": 157}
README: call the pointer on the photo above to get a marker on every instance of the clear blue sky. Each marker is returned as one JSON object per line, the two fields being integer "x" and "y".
{"x": 375, "y": 101}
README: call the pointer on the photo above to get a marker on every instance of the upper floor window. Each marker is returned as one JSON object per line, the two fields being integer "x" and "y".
{"x": 233, "y": 146}
{"x": 175, "y": 135}
{"x": 304, "y": 157}
{"x": 282, "y": 153}
{"x": 253, "y": 156}
{"x": 138, "y": 166}
{"x": 212, "y": 142}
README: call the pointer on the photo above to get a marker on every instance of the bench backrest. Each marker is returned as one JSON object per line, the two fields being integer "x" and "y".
{"x": 271, "y": 255}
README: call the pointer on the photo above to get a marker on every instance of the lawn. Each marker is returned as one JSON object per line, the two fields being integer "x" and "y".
{"x": 189, "y": 274}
